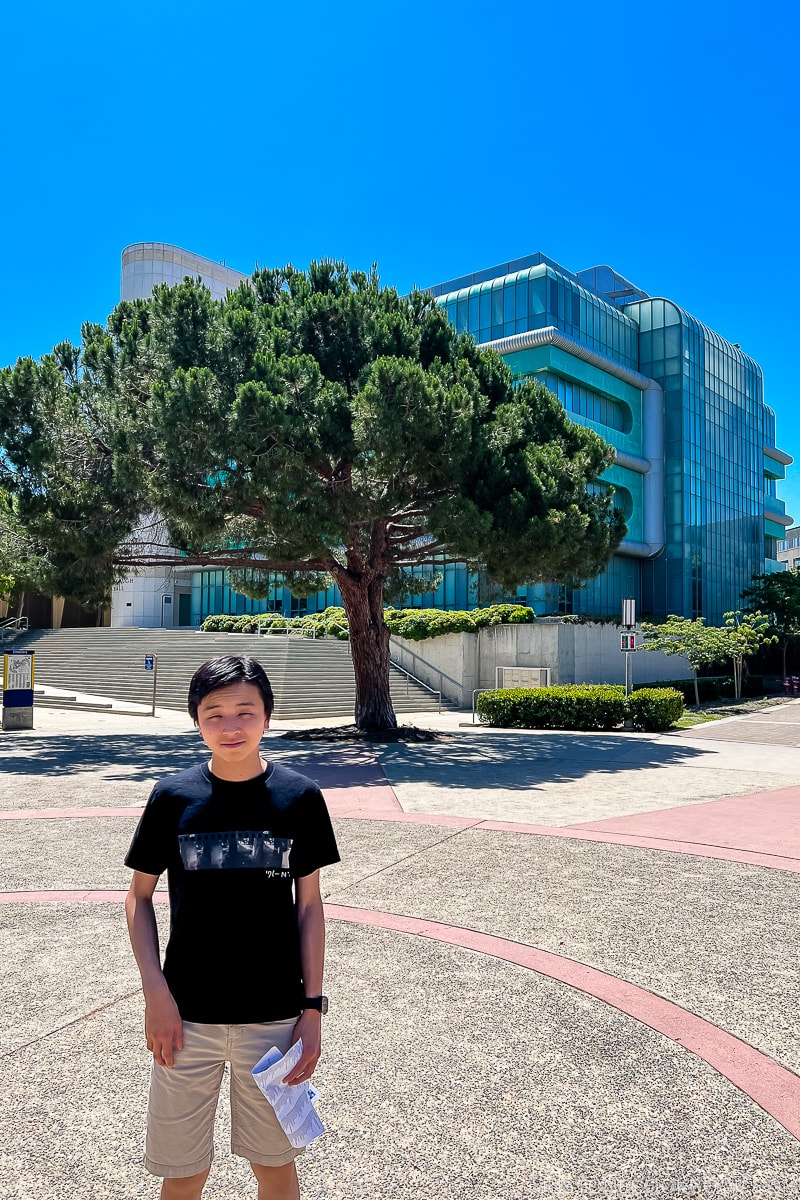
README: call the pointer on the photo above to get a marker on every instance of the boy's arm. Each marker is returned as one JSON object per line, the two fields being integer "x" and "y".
{"x": 311, "y": 924}
{"x": 162, "y": 1022}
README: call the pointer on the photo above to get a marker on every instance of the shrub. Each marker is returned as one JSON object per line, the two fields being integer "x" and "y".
{"x": 565, "y": 706}
{"x": 417, "y": 624}
{"x": 414, "y": 624}
{"x": 212, "y": 624}
{"x": 579, "y": 706}
{"x": 654, "y": 709}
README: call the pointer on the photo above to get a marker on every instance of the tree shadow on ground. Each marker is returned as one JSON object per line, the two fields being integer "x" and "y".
{"x": 520, "y": 762}
{"x": 138, "y": 757}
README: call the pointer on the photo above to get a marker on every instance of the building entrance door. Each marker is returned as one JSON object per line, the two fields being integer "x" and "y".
{"x": 184, "y": 608}
{"x": 166, "y": 612}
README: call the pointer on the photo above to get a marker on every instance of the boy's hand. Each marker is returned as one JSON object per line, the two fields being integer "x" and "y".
{"x": 309, "y": 1028}
{"x": 163, "y": 1027}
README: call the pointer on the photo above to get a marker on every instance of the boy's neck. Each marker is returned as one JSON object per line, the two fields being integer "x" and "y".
{"x": 238, "y": 772}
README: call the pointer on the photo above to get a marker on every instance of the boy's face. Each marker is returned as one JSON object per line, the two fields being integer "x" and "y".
{"x": 231, "y": 721}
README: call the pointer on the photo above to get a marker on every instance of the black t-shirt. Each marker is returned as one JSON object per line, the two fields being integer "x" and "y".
{"x": 231, "y": 851}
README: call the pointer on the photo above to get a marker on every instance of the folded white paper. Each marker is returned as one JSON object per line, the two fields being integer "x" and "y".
{"x": 293, "y": 1103}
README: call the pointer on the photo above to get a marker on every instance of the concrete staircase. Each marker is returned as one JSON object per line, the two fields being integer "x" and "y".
{"x": 310, "y": 678}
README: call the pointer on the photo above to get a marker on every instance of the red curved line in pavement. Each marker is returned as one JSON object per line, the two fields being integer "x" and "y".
{"x": 753, "y": 858}
{"x": 67, "y": 814}
{"x": 773, "y": 1087}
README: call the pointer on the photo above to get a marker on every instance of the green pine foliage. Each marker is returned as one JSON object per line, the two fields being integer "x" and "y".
{"x": 310, "y": 422}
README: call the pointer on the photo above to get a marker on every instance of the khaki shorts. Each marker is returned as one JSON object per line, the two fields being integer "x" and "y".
{"x": 183, "y": 1100}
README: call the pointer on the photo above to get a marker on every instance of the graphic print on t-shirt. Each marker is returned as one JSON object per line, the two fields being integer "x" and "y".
{"x": 235, "y": 849}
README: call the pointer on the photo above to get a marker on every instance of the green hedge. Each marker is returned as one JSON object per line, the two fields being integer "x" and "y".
{"x": 330, "y": 623}
{"x": 654, "y": 709}
{"x": 579, "y": 706}
{"x": 568, "y": 706}
{"x": 417, "y": 624}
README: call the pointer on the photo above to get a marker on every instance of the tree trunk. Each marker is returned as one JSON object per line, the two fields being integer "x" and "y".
{"x": 785, "y": 648}
{"x": 369, "y": 646}
{"x": 696, "y": 690}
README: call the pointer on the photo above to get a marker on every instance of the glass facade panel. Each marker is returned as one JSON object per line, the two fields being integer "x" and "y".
{"x": 583, "y": 402}
{"x": 715, "y": 427}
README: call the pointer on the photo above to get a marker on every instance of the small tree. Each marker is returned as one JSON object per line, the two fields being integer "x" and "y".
{"x": 24, "y": 564}
{"x": 745, "y": 633}
{"x": 700, "y": 644}
{"x": 778, "y": 596}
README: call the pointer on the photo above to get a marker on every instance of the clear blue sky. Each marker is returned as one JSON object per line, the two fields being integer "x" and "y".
{"x": 434, "y": 138}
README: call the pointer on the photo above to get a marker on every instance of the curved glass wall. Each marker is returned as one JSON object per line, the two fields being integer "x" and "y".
{"x": 583, "y": 402}
{"x": 537, "y": 298}
{"x": 212, "y": 593}
{"x": 714, "y": 426}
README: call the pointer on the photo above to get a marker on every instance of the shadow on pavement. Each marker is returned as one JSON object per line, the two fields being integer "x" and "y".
{"x": 519, "y": 762}
{"x": 140, "y": 757}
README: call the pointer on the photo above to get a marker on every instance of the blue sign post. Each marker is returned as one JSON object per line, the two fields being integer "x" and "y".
{"x": 18, "y": 689}
{"x": 151, "y": 664}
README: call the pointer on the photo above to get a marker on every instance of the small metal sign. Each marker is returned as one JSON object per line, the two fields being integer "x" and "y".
{"x": 627, "y": 642}
{"x": 629, "y": 612}
{"x": 148, "y": 662}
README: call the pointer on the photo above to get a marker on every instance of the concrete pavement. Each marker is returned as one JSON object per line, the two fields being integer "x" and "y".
{"x": 560, "y": 965}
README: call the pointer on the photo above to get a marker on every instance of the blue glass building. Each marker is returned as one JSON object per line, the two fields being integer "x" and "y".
{"x": 697, "y": 463}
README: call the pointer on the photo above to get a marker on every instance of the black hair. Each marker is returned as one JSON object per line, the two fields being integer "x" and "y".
{"x": 223, "y": 672}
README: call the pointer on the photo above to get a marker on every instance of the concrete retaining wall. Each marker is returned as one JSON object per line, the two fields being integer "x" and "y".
{"x": 574, "y": 654}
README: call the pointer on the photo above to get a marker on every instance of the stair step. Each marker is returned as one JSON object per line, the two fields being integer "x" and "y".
{"x": 311, "y": 677}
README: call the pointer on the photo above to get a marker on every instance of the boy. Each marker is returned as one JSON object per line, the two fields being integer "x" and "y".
{"x": 243, "y": 965}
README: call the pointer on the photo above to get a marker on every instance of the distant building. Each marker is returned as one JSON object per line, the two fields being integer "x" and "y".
{"x": 145, "y": 264}
{"x": 697, "y": 463}
{"x": 789, "y": 548}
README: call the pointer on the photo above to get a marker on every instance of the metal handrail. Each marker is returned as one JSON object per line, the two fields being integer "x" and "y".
{"x": 421, "y": 682}
{"x": 477, "y": 692}
{"x": 13, "y": 625}
{"x": 265, "y": 629}
{"x": 418, "y": 658}
{"x": 268, "y": 627}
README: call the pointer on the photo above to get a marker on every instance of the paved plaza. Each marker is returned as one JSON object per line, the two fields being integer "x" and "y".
{"x": 560, "y": 965}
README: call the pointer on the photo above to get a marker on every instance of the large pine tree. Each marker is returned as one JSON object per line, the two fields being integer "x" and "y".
{"x": 311, "y": 422}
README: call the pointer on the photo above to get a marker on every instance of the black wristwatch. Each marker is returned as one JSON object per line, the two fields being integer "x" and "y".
{"x": 320, "y": 1003}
